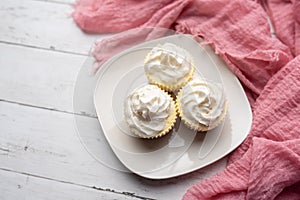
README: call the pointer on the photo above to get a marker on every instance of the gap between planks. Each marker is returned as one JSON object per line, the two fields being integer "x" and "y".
{"x": 15, "y": 27}
{"x": 131, "y": 194}
{"x": 62, "y": 104}
{"x": 84, "y": 114}
{"x": 51, "y": 48}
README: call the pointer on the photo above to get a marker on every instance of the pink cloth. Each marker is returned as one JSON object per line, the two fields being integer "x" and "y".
{"x": 267, "y": 164}
{"x": 285, "y": 16}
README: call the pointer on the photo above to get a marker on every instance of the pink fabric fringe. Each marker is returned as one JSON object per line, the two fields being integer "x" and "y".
{"x": 267, "y": 164}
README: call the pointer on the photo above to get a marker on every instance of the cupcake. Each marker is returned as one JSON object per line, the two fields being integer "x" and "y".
{"x": 201, "y": 104}
{"x": 168, "y": 66}
{"x": 149, "y": 112}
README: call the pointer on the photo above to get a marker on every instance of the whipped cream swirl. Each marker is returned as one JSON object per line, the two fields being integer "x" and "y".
{"x": 146, "y": 110}
{"x": 202, "y": 102}
{"x": 168, "y": 64}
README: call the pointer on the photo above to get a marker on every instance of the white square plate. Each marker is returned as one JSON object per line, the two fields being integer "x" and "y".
{"x": 183, "y": 150}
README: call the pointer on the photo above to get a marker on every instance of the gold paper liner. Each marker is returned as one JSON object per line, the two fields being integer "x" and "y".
{"x": 171, "y": 88}
{"x": 170, "y": 121}
{"x": 198, "y": 126}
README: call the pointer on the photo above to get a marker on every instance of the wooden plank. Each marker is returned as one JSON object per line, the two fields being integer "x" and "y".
{"x": 14, "y": 186}
{"x": 44, "y": 143}
{"x": 24, "y": 22}
{"x": 58, "y": 1}
{"x": 38, "y": 77}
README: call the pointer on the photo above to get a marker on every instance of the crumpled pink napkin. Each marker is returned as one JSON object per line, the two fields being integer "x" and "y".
{"x": 267, "y": 164}
{"x": 285, "y": 17}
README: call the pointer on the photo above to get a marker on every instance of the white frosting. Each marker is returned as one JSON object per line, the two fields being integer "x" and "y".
{"x": 168, "y": 64}
{"x": 202, "y": 102}
{"x": 146, "y": 110}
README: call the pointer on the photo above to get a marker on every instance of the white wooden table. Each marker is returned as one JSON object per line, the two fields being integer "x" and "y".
{"x": 41, "y": 157}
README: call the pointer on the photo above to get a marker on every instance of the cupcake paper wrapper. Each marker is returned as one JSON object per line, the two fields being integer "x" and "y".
{"x": 170, "y": 122}
{"x": 198, "y": 126}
